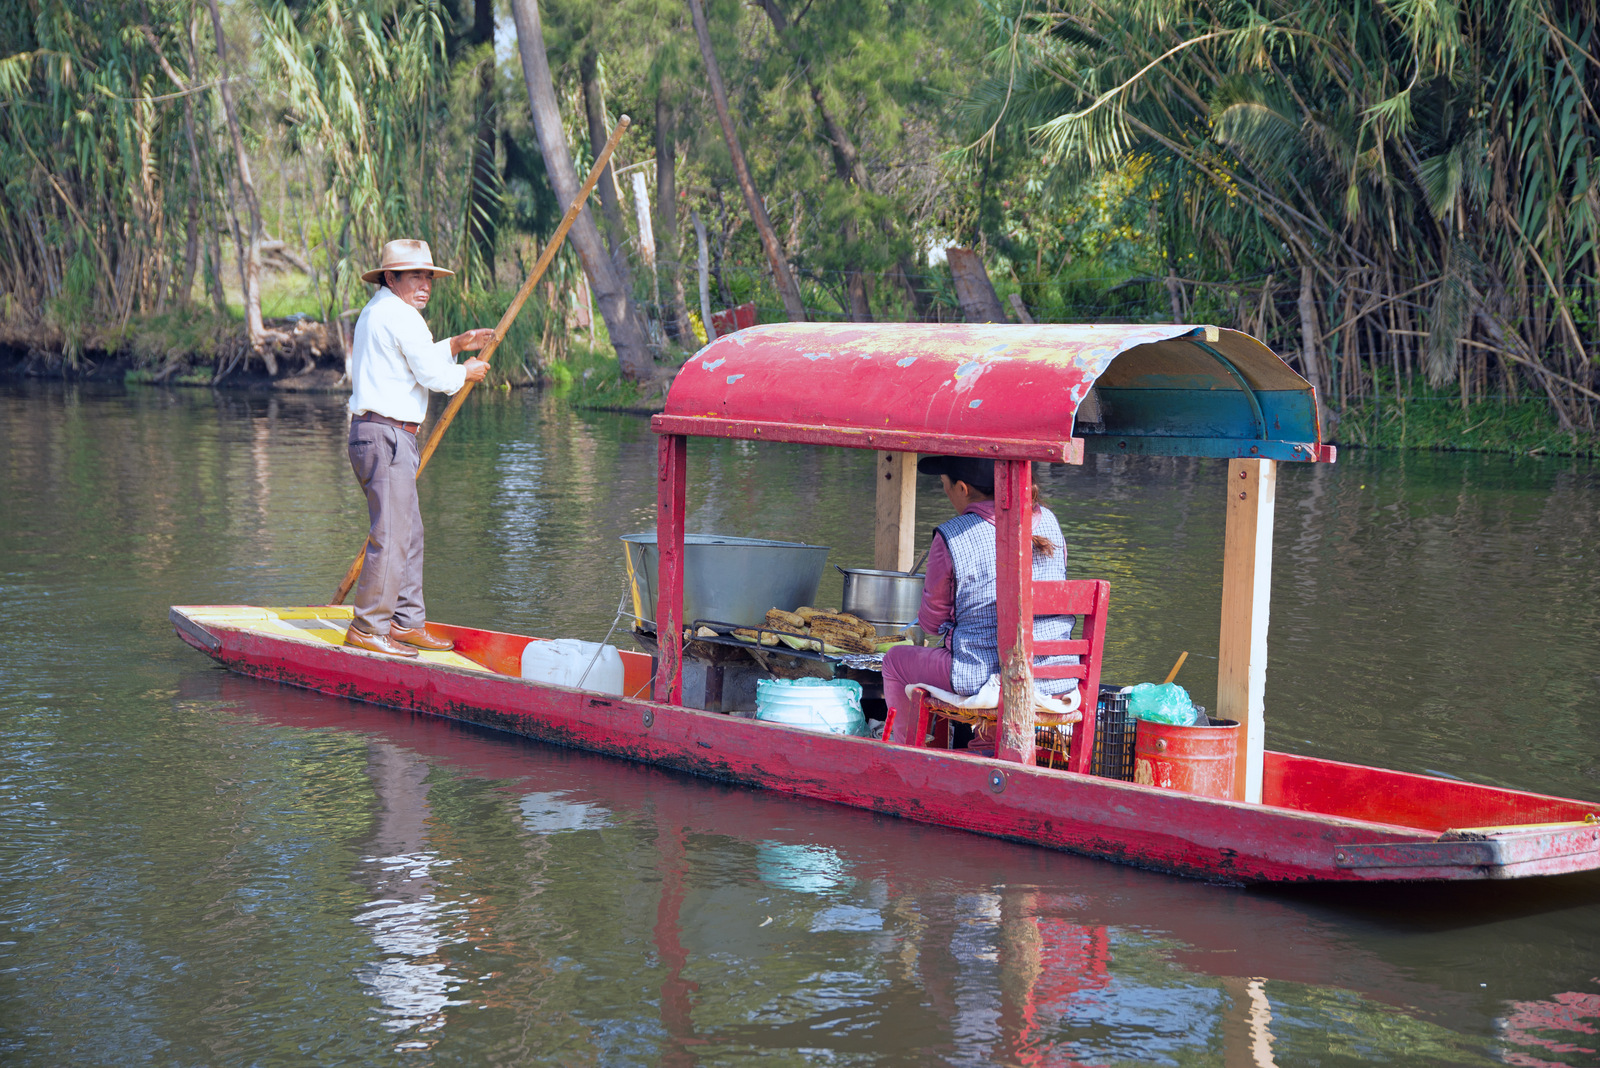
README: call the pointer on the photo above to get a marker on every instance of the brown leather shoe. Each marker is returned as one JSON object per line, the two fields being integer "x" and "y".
{"x": 376, "y": 643}
{"x": 419, "y": 637}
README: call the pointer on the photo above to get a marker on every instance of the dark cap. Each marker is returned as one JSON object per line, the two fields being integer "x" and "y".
{"x": 979, "y": 474}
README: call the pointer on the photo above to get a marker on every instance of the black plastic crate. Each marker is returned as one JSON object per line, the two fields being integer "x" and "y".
{"x": 1113, "y": 736}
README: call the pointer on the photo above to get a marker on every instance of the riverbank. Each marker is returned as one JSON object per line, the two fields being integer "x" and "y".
{"x": 1525, "y": 427}
{"x": 186, "y": 347}
{"x": 198, "y": 350}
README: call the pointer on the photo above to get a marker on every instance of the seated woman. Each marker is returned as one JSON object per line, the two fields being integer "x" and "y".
{"x": 958, "y": 595}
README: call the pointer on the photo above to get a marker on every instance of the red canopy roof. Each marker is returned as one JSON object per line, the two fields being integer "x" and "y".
{"x": 982, "y": 390}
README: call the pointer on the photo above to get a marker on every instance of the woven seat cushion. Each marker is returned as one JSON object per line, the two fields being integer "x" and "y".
{"x": 974, "y": 716}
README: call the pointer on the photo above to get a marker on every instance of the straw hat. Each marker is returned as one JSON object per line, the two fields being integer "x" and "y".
{"x": 405, "y": 254}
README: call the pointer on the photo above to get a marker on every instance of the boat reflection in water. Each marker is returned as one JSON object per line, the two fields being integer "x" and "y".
{"x": 643, "y": 917}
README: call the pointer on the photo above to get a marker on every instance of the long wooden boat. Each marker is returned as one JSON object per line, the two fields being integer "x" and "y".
{"x": 1016, "y": 395}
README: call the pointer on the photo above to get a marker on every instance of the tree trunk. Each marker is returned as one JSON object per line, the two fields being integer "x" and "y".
{"x": 252, "y": 260}
{"x": 1310, "y": 356}
{"x": 594, "y": 109}
{"x": 787, "y": 289}
{"x": 219, "y": 299}
{"x": 212, "y": 246}
{"x": 855, "y": 279}
{"x": 647, "y": 252}
{"x": 676, "y": 315}
{"x": 183, "y": 286}
{"x": 484, "y": 204}
{"x": 974, "y": 291}
{"x": 905, "y": 274}
{"x": 616, "y": 302}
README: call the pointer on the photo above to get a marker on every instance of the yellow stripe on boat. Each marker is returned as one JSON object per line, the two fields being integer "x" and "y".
{"x": 323, "y": 624}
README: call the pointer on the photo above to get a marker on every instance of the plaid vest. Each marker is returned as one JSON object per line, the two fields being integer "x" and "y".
{"x": 974, "y": 639}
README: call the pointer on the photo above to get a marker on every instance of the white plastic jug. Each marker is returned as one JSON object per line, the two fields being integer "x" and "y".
{"x": 563, "y": 661}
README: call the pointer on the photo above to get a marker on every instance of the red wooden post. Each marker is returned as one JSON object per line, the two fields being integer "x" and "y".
{"x": 1081, "y": 759}
{"x": 1013, "y": 522}
{"x": 672, "y": 457}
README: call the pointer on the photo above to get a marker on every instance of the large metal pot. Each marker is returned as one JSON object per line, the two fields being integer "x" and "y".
{"x": 882, "y": 596}
{"x": 728, "y": 579}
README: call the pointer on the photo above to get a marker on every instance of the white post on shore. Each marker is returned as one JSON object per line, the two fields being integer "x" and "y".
{"x": 705, "y": 284}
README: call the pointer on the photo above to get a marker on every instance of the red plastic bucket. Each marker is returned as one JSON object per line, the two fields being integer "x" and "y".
{"x": 1196, "y": 760}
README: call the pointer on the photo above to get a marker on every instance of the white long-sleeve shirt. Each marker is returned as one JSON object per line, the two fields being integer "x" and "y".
{"x": 395, "y": 361}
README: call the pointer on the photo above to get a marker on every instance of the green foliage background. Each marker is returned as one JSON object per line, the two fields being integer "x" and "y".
{"x": 1399, "y": 197}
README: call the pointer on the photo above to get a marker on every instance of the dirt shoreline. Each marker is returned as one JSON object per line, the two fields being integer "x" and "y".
{"x": 101, "y": 367}
{"x": 308, "y": 355}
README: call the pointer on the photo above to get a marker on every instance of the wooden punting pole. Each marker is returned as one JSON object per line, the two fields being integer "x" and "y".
{"x": 1246, "y": 594}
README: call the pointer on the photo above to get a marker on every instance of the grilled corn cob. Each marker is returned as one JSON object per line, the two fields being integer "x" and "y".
{"x": 777, "y": 617}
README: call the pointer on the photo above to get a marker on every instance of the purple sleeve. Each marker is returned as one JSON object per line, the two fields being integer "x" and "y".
{"x": 938, "y": 588}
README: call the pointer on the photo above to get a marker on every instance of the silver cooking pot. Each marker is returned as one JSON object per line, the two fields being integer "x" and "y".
{"x": 882, "y": 596}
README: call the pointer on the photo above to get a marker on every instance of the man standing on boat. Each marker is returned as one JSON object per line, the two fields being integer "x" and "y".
{"x": 394, "y": 364}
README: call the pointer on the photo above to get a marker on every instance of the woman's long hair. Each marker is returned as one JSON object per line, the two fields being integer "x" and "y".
{"x": 1041, "y": 544}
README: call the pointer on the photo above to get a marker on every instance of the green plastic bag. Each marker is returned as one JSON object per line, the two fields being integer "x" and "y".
{"x": 1164, "y": 702}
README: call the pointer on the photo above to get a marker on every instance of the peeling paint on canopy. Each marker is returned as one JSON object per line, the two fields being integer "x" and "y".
{"x": 999, "y": 390}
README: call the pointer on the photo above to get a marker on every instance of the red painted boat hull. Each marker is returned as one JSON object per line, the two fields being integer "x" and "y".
{"x": 1321, "y": 821}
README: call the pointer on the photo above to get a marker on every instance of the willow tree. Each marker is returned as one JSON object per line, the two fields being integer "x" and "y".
{"x": 98, "y": 176}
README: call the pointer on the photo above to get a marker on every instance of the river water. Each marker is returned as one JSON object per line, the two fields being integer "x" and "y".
{"x": 201, "y": 869}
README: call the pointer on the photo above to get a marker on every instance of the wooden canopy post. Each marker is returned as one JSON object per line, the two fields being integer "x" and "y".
{"x": 1013, "y": 522}
{"x": 672, "y": 480}
{"x": 1246, "y": 594}
{"x": 894, "y": 542}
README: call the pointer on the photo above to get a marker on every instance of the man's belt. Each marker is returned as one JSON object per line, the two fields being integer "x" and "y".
{"x": 374, "y": 417}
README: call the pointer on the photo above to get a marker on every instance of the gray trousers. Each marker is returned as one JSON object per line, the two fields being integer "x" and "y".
{"x": 389, "y": 591}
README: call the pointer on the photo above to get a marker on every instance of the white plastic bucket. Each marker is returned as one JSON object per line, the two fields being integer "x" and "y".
{"x": 563, "y": 661}
{"x": 832, "y": 706}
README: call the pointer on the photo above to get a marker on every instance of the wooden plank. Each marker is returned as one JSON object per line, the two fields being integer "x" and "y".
{"x": 1246, "y": 594}
{"x": 894, "y": 537}
{"x": 1013, "y": 523}
{"x": 1045, "y": 449}
{"x": 673, "y": 458}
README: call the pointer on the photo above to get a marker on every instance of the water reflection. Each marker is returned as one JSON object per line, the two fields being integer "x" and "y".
{"x": 550, "y": 813}
{"x": 1549, "y": 1025}
{"x": 407, "y": 920}
{"x": 779, "y": 929}
{"x": 247, "y": 874}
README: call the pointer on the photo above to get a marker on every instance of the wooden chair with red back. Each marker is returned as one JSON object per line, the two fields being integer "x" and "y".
{"x": 1087, "y": 599}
